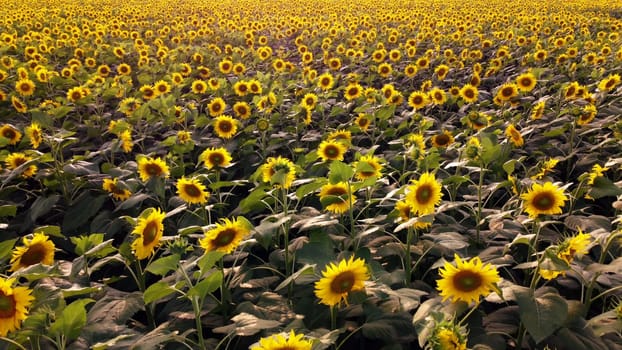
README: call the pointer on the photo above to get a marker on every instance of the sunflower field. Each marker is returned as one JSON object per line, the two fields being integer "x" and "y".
{"x": 311, "y": 174}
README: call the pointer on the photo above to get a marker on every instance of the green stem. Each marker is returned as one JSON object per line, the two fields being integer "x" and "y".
{"x": 140, "y": 278}
{"x": 408, "y": 258}
{"x": 196, "y": 306}
{"x": 20, "y": 346}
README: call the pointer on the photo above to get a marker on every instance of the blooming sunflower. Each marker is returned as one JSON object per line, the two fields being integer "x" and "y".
{"x": 418, "y": 99}
{"x": 588, "y": 113}
{"x": 335, "y": 197}
{"x": 199, "y": 87}
{"x": 339, "y": 280}
{"x": 507, "y": 91}
{"x": 192, "y": 191}
{"x": 10, "y": 133}
{"x": 447, "y": 336}
{"x": 331, "y": 150}
{"x": 278, "y": 342}
{"x": 526, "y": 82}
{"x": 148, "y": 92}
{"x": 363, "y": 121}
{"x": 126, "y": 140}
{"x": 309, "y": 100}
{"x": 225, "y": 126}
{"x": 609, "y": 83}
{"x": 543, "y": 199}
{"x": 538, "y": 110}
{"x": 162, "y": 87}
{"x": 149, "y": 230}
{"x": 514, "y": 135}
{"x": 443, "y": 139}
{"x": 341, "y": 135}
{"x": 242, "y": 110}
{"x": 113, "y": 187}
{"x": 325, "y": 81}
{"x": 404, "y": 209}
{"x": 18, "y": 104}
{"x": 597, "y": 171}
{"x": 278, "y": 171}
{"x": 577, "y": 245}
{"x": 14, "y": 304}
{"x": 216, "y": 107}
{"x": 241, "y": 88}
{"x": 424, "y": 194}
{"x": 25, "y": 87}
{"x": 469, "y": 93}
{"x": 417, "y": 146}
{"x": 151, "y": 168}
{"x": 438, "y": 96}
{"x": 547, "y": 167}
{"x": 33, "y": 131}
{"x": 37, "y": 250}
{"x": 215, "y": 158}
{"x": 368, "y": 166}
{"x": 467, "y": 281}
{"x": 16, "y": 159}
{"x": 226, "y": 236}
{"x": 352, "y": 91}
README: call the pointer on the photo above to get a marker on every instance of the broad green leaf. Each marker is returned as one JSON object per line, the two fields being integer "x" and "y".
{"x": 208, "y": 260}
{"x": 254, "y": 200}
{"x": 87, "y": 206}
{"x": 8, "y": 210}
{"x": 305, "y": 189}
{"x": 542, "y": 315}
{"x": 164, "y": 265}
{"x": 70, "y": 322}
{"x": 603, "y": 187}
{"x": 42, "y": 205}
{"x": 85, "y": 243}
{"x": 6, "y": 248}
{"x": 157, "y": 291}
{"x": 50, "y": 230}
{"x": 305, "y": 270}
{"x": 339, "y": 172}
{"x": 207, "y": 285}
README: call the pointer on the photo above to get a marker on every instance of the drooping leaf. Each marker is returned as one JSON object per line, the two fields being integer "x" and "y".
{"x": 541, "y": 314}
{"x": 164, "y": 265}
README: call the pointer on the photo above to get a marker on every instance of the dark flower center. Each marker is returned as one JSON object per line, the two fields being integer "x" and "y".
{"x": 192, "y": 190}
{"x": 423, "y": 194}
{"x": 467, "y": 281}
{"x": 225, "y": 237}
{"x": 543, "y": 201}
{"x": 469, "y": 93}
{"x": 331, "y": 151}
{"x": 342, "y": 283}
{"x": 33, "y": 255}
{"x": 225, "y": 126}
{"x": 7, "y": 305}
{"x": 153, "y": 169}
{"x": 442, "y": 140}
{"x": 9, "y": 133}
{"x": 215, "y": 158}
{"x": 150, "y": 232}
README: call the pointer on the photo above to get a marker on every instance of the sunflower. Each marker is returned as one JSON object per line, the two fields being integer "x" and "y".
{"x": 609, "y": 83}
{"x": 278, "y": 342}
{"x": 441, "y": 71}
{"x": 570, "y": 92}
{"x": 331, "y": 150}
{"x": 125, "y": 137}
{"x": 418, "y": 99}
{"x": 192, "y": 191}
{"x": 309, "y": 100}
{"x": 547, "y": 167}
{"x": 514, "y": 135}
{"x": 254, "y": 86}
{"x": 574, "y": 246}
{"x": 443, "y": 139}
{"x": 215, "y": 158}
{"x": 216, "y": 107}
{"x": 241, "y": 88}
{"x": 25, "y": 87}
{"x": 335, "y": 197}
{"x": 538, "y": 110}
{"x": 226, "y": 236}
{"x": 162, "y": 87}
{"x": 17, "y": 159}
{"x": 10, "y": 133}
{"x": 37, "y": 250}
{"x": 325, "y": 81}
{"x": 588, "y": 113}
{"x": 33, "y": 131}
{"x": 278, "y": 171}
{"x": 339, "y": 280}
{"x": 447, "y": 336}
{"x": 14, "y": 304}
{"x": 477, "y": 120}
{"x": 597, "y": 171}
{"x": 199, "y": 87}
{"x": 341, "y": 135}
{"x": 113, "y": 187}
{"x": 424, "y": 194}
{"x": 543, "y": 199}
{"x": 368, "y": 166}
{"x": 438, "y": 96}
{"x": 467, "y": 281}
{"x": 151, "y": 168}
{"x": 148, "y": 92}
{"x": 422, "y": 63}
{"x": 469, "y": 93}
{"x": 225, "y": 126}
{"x": 103, "y": 70}
{"x": 149, "y": 229}
{"x": 385, "y": 69}
{"x": 352, "y": 91}
{"x": 410, "y": 70}
{"x": 242, "y": 110}
{"x": 77, "y": 93}
{"x": 404, "y": 209}
{"x": 526, "y": 82}
{"x": 363, "y": 121}
{"x": 124, "y": 69}
{"x": 417, "y": 146}
{"x": 225, "y": 66}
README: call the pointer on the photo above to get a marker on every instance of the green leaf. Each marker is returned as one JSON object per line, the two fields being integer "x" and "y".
{"x": 305, "y": 270}
{"x": 603, "y": 187}
{"x": 8, "y": 210}
{"x": 208, "y": 260}
{"x": 305, "y": 189}
{"x": 542, "y": 315}
{"x": 70, "y": 322}
{"x": 339, "y": 172}
{"x": 254, "y": 200}
{"x": 6, "y": 248}
{"x": 82, "y": 210}
{"x": 491, "y": 150}
{"x": 164, "y": 265}
{"x": 207, "y": 285}
{"x": 50, "y": 230}
{"x": 509, "y": 166}
{"x": 42, "y": 205}
{"x": 84, "y": 243}
{"x": 157, "y": 291}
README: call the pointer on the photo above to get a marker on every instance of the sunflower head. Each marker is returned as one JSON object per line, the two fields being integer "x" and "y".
{"x": 331, "y": 150}
{"x": 215, "y": 158}
{"x": 368, "y": 166}
{"x": 192, "y": 191}
{"x": 514, "y": 135}
{"x": 337, "y": 198}
{"x": 447, "y": 335}
{"x": 14, "y": 305}
{"x": 338, "y": 280}
{"x": 279, "y": 171}
{"x": 226, "y": 235}
{"x": 442, "y": 139}
{"x": 10, "y": 133}
{"x": 225, "y": 126}
{"x": 36, "y": 250}
{"x": 467, "y": 281}
{"x": 118, "y": 191}
{"x": 149, "y": 168}
{"x": 33, "y": 131}
{"x": 149, "y": 229}
{"x": 17, "y": 159}
{"x": 292, "y": 341}
{"x": 424, "y": 194}
{"x": 546, "y": 199}
{"x": 526, "y": 82}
